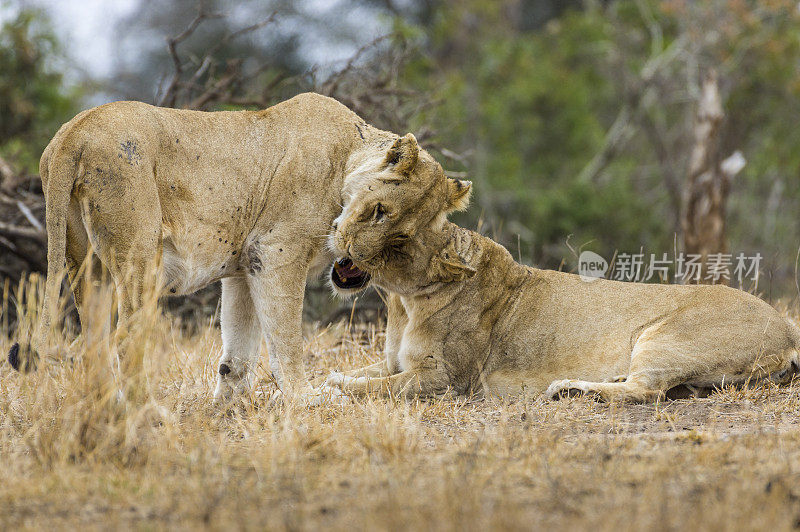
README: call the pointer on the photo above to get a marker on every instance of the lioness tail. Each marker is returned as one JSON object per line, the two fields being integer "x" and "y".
{"x": 58, "y": 173}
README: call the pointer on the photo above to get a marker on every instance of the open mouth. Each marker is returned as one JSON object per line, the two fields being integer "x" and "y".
{"x": 347, "y": 276}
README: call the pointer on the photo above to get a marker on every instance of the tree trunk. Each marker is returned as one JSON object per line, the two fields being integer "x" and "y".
{"x": 708, "y": 185}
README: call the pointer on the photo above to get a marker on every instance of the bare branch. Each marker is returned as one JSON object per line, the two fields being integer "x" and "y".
{"x": 29, "y": 216}
{"x": 170, "y": 95}
{"x": 217, "y": 89}
{"x": 190, "y": 94}
{"x": 616, "y": 134}
{"x": 238, "y": 33}
{"x": 24, "y": 232}
{"x": 7, "y": 243}
{"x": 332, "y": 83}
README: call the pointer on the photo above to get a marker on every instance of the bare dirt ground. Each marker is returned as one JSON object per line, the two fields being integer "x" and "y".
{"x": 73, "y": 458}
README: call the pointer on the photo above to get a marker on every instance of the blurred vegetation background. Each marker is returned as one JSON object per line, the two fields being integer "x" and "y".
{"x": 576, "y": 120}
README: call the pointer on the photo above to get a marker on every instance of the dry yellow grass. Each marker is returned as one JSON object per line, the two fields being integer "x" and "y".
{"x": 72, "y": 457}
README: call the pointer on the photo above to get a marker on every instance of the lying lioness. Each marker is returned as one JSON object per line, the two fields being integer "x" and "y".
{"x": 466, "y": 318}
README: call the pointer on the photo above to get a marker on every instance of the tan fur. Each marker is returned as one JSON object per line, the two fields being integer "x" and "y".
{"x": 246, "y": 197}
{"x": 464, "y": 317}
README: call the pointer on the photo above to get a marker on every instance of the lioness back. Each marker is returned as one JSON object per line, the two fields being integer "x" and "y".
{"x": 208, "y": 177}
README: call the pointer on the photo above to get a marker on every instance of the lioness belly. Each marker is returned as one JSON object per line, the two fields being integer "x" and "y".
{"x": 186, "y": 271}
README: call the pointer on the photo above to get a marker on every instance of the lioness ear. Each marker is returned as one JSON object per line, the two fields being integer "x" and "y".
{"x": 447, "y": 266}
{"x": 458, "y": 193}
{"x": 404, "y": 154}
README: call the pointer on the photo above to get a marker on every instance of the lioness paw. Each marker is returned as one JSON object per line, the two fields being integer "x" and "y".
{"x": 331, "y": 396}
{"x": 338, "y": 379}
{"x": 572, "y": 388}
{"x": 563, "y": 388}
{"x": 324, "y": 395}
{"x": 228, "y": 388}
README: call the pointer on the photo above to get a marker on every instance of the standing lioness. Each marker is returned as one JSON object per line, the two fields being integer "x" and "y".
{"x": 476, "y": 321}
{"x": 246, "y": 197}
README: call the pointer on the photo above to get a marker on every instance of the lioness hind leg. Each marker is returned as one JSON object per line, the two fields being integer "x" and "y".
{"x": 694, "y": 349}
{"x": 89, "y": 281}
{"x": 123, "y": 222}
{"x": 90, "y": 285}
{"x": 630, "y": 390}
{"x": 655, "y": 367}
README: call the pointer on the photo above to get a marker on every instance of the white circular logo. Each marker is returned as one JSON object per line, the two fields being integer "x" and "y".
{"x": 591, "y": 266}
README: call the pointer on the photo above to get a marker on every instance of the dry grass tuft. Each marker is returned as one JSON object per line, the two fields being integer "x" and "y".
{"x": 74, "y": 454}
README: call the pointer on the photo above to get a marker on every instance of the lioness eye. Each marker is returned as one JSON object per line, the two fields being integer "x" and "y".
{"x": 379, "y": 213}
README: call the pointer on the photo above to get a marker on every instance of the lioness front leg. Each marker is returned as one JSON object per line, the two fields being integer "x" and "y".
{"x": 241, "y": 337}
{"x": 396, "y": 323}
{"x": 378, "y": 369}
{"x": 276, "y": 275}
{"x": 412, "y": 383}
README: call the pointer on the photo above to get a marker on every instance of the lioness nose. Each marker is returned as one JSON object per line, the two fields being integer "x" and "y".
{"x": 224, "y": 369}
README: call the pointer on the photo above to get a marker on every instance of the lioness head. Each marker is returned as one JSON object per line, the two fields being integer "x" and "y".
{"x": 439, "y": 253}
{"x": 388, "y": 197}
